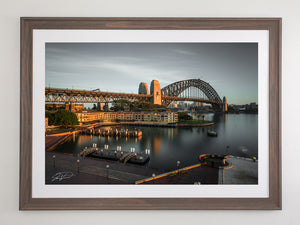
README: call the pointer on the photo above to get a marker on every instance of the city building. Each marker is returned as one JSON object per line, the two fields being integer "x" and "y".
{"x": 165, "y": 116}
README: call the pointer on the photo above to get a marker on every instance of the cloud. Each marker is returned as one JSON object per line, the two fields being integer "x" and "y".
{"x": 184, "y": 52}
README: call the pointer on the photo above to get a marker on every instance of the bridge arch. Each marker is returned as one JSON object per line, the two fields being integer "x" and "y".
{"x": 175, "y": 89}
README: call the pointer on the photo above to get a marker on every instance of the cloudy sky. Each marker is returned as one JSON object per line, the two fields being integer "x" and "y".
{"x": 231, "y": 68}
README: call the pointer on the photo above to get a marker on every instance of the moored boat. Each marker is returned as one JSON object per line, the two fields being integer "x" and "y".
{"x": 212, "y": 133}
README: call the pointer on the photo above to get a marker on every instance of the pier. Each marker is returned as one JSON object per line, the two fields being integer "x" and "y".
{"x": 116, "y": 155}
{"x": 113, "y": 132}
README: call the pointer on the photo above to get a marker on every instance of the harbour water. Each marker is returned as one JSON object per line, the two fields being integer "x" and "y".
{"x": 168, "y": 145}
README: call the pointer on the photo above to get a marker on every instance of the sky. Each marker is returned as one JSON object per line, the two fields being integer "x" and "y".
{"x": 230, "y": 68}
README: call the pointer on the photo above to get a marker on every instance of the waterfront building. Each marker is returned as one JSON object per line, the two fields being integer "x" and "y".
{"x": 165, "y": 116}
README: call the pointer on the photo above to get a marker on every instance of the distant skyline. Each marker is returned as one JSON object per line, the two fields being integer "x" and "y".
{"x": 230, "y": 68}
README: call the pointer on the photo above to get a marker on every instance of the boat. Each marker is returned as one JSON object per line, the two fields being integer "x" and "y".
{"x": 212, "y": 133}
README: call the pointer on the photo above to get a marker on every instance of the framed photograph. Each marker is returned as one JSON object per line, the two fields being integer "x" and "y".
{"x": 150, "y": 113}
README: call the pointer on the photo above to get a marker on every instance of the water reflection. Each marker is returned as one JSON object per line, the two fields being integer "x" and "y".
{"x": 156, "y": 146}
{"x": 168, "y": 145}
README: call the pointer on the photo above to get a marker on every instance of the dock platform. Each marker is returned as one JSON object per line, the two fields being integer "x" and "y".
{"x": 116, "y": 155}
{"x": 113, "y": 132}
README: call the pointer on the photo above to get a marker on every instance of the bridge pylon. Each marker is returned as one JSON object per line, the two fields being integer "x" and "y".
{"x": 143, "y": 89}
{"x": 225, "y": 109}
{"x": 155, "y": 91}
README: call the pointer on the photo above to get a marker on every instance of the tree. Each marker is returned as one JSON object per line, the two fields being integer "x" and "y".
{"x": 182, "y": 116}
{"x": 200, "y": 116}
{"x": 65, "y": 118}
{"x": 51, "y": 117}
{"x": 121, "y": 104}
{"x": 203, "y": 116}
{"x": 149, "y": 105}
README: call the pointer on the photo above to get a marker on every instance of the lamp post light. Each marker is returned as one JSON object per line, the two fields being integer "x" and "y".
{"x": 53, "y": 161}
{"x": 178, "y": 164}
{"x": 78, "y": 165}
{"x": 153, "y": 176}
{"x": 107, "y": 172}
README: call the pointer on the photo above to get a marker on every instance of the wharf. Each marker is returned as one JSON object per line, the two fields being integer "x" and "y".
{"x": 113, "y": 132}
{"x": 100, "y": 124}
{"x": 116, "y": 155}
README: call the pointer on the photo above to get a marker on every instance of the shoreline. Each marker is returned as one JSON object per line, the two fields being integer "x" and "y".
{"x": 153, "y": 124}
{"x": 56, "y": 139}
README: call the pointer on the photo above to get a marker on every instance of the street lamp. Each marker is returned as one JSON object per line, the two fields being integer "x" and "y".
{"x": 107, "y": 172}
{"x": 53, "y": 161}
{"x": 153, "y": 175}
{"x": 78, "y": 165}
{"x": 178, "y": 164}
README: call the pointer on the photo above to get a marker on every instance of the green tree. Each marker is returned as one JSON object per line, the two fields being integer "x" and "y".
{"x": 51, "y": 117}
{"x": 119, "y": 105}
{"x": 65, "y": 118}
{"x": 200, "y": 116}
{"x": 183, "y": 116}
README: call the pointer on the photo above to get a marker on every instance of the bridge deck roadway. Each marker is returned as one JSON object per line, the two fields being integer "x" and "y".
{"x": 84, "y": 96}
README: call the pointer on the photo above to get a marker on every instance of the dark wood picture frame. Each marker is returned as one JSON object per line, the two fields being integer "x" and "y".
{"x": 273, "y": 25}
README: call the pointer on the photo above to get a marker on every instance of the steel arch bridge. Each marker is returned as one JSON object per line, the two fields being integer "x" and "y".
{"x": 175, "y": 89}
{"x": 168, "y": 94}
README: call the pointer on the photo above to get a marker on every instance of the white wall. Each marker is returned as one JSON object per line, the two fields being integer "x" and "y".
{"x": 11, "y": 10}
